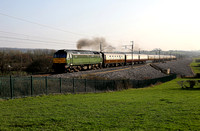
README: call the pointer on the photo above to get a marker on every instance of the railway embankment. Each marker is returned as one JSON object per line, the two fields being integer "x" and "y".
{"x": 137, "y": 72}
{"x": 180, "y": 67}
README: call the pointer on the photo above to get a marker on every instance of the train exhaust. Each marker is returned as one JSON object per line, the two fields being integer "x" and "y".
{"x": 95, "y": 44}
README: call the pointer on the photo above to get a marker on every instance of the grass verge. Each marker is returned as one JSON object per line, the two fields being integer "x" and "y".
{"x": 161, "y": 107}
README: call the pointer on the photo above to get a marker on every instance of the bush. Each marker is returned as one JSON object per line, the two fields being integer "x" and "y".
{"x": 40, "y": 65}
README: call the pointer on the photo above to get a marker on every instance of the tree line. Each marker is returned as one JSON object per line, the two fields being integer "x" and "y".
{"x": 27, "y": 61}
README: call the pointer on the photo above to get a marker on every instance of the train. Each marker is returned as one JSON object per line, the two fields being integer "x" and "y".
{"x": 76, "y": 60}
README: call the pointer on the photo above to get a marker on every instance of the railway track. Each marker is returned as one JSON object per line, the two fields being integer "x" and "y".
{"x": 92, "y": 72}
{"x": 113, "y": 69}
{"x": 139, "y": 72}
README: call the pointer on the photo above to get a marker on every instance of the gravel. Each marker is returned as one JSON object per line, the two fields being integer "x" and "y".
{"x": 136, "y": 73}
{"x": 179, "y": 67}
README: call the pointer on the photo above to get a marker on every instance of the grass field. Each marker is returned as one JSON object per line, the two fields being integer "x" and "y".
{"x": 195, "y": 65}
{"x": 161, "y": 107}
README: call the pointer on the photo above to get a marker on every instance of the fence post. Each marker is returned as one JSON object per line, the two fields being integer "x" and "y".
{"x": 11, "y": 87}
{"x": 60, "y": 85}
{"x": 85, "y": 85}
{"x": 31, "y": 85}
{"x": 73, "y": 86}
{"x": 46, "y": 84}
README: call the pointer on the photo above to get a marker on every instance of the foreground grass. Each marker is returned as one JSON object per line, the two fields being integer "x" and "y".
{"x": 162, "y": 107}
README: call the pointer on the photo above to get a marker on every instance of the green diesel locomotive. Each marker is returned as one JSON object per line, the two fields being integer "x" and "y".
{"x": 75, "y": 60}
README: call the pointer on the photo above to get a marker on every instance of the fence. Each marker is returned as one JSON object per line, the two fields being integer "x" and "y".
{"x": 13, "y": 87}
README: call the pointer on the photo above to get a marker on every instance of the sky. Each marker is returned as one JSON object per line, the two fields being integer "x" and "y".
{"x": 59, "y": 24}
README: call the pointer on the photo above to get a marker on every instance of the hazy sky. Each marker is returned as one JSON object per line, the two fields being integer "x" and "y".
{"x": 59, "y": 24}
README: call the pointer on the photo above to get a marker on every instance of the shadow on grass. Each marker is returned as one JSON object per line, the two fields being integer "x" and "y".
{"x": 198, "y": 65}
{"x": 190, "y": 88}
{"x": 187, "y": 89}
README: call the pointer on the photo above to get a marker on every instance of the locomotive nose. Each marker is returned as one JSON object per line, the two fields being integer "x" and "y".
{"x": 59, "y": 60}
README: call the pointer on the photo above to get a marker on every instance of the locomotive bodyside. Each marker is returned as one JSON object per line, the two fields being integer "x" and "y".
{"x": 74, "y": 60}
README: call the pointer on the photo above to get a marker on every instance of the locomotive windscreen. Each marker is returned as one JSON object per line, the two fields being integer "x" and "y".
{"x": 60, "y": 55}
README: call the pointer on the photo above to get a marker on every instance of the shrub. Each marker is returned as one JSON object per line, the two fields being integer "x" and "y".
{"x": 40, "y": 65}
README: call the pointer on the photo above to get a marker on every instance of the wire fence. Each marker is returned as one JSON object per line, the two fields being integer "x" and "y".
{"x": 14, "y": 87}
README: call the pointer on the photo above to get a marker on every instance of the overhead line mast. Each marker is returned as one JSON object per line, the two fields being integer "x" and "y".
{"x": 131, "y": 50}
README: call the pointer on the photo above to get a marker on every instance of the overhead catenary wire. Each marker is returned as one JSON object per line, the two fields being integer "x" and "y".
{"x": 20, "y": 34}
{"x": 27, "y": 39}
{"x": 47, "y": 26}
{"x": 31, "y": 43}
{"x": 42, "y": 25}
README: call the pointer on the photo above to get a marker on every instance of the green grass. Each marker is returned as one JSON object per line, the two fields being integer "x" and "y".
{"x": 195, "y": 66}
{"x": 161, "y": 107}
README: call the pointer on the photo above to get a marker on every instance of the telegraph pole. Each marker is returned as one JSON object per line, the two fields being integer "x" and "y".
{"x": 158, "y": 50}
{"x": 159, "y": 54}
{"x": 170, "y": 55}
{"x": 100, "y": 47}
{"x": 132, "y": 52}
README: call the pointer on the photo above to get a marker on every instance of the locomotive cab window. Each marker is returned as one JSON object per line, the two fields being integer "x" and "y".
{"x": 59, "y": 55}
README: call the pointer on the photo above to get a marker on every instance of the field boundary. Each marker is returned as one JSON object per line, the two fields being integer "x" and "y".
{"x": 14, "y": 87}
